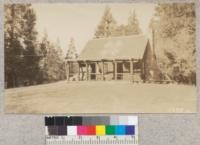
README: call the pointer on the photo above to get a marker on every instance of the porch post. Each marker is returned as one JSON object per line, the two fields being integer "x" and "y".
{"x": 96, "y": 70}
{"x": 79, "y": 71}
{"x": 86, "y": 70}
{"x": 131, "y": 69}
{"x": 143, "y": 71}
{"x": 82, "y": 73}
{"x": 89, "y": 71}
{"x": 102, "y": 73}
{"x": 65, "y": 63}
{"x": 115, "y": 70}
{"x": 68, "y": 70}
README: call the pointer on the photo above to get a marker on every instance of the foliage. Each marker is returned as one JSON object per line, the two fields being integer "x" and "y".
{"x": 175, "y": 40}
{"x": 71, "y": 52}
{"x": 52, "y": 64}
{"x": 109, "y": 27}
{"x": 20, "y": 45}
{"x": 28, "y": 62}
{"x": 31, "y": 56}
{"x": 133, "y": 25}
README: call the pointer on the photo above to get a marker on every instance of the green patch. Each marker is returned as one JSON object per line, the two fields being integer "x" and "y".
{"x": 110, "y": 130}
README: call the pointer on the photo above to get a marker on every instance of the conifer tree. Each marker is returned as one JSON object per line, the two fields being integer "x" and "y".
{"x": 58, "y": 47}
{"x": 133, "y": 25}
{"x": 52, "y": 63}
{"x": 71, "y": 52}
{"x": 20, "y": 45}
{"x": 12, "y": 45}
{"x": 107, "y": 25}
{"x": 31, "y": 57}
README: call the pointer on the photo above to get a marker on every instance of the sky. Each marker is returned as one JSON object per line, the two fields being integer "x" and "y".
{"x": 80, "y": 20}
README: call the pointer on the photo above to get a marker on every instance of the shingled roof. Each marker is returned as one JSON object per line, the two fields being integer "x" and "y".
{"x": 123, "y": 47}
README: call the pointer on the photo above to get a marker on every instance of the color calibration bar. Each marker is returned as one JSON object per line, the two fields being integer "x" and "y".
{"x": 91, "y": 130}
{"x": 91, "y": 125}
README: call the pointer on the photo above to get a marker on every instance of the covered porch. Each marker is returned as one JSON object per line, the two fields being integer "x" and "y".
{"x": 105, "y": 69}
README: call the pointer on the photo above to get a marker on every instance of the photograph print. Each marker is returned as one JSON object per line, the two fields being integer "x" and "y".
{"x": 100, "y": 58}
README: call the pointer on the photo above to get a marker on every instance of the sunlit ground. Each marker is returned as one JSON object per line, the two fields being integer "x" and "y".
{"x": 101, "y": 97}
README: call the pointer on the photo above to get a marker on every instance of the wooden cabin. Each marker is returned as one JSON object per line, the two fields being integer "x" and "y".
{"x": 116, "y": 58}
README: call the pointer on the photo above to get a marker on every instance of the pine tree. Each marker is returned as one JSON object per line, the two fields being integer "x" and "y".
{"x": 71, "y": 52}
{"x": 52, "y": 64}
{"x": 21, "y": 63}
{"x": 44, "y": 47}
{"x": 31, "y": 58}
{"x": 133, "y": 25}
{"x": 13, "y": 41}
{"x": 61, "y": 59}
{"x": 58, "y": 47}
{"x": 107, "y": 25}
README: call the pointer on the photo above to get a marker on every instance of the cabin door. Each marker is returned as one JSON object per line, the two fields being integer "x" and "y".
{"x": 119, "y": 71}
{"x": 93, "y": 71}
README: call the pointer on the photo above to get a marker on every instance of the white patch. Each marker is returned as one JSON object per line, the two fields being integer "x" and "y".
{"x": 71, "y": 130}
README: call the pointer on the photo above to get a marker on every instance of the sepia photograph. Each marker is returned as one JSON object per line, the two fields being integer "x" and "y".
{"x": 100, "y": 58}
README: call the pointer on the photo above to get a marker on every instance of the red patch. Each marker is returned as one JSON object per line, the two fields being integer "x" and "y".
{"x": 91, "y": 130}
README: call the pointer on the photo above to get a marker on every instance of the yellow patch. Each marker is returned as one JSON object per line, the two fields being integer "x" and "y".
{"x": 100, "y": 130}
